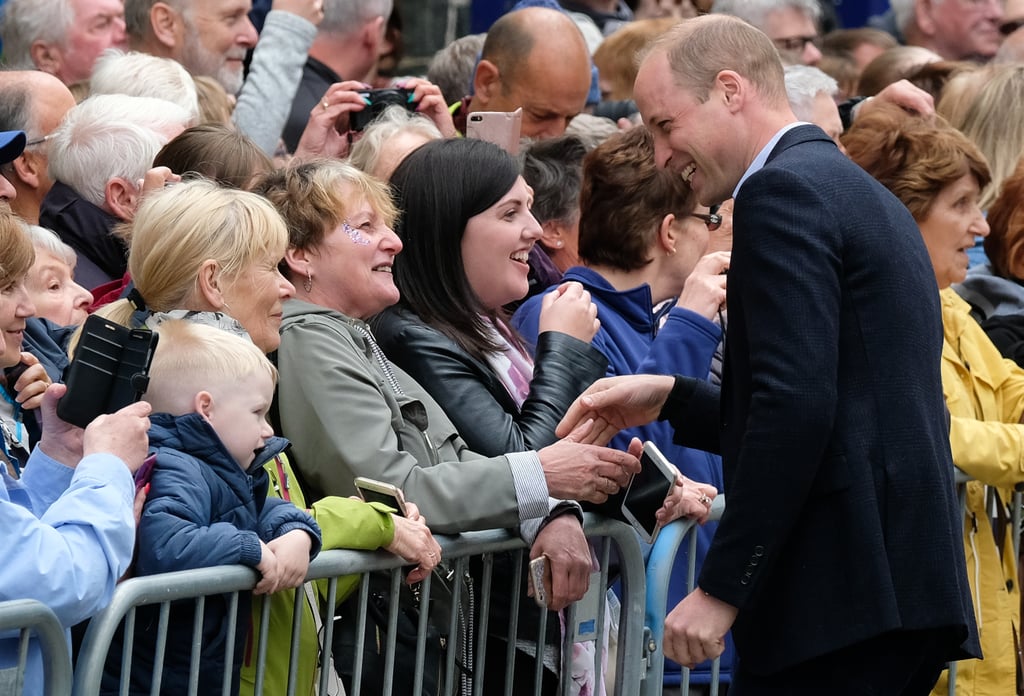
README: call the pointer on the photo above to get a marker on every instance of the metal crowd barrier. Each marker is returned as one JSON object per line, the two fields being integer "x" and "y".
{"x": 330, "y": 565}
{"x": 659, "y": 572}
{"x": 30, "y": 617}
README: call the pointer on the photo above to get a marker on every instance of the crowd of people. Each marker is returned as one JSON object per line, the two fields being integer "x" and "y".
{"x": 783, "y": 252}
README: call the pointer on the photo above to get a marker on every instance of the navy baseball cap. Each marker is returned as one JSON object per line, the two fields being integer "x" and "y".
{"x": 12, "y": 144}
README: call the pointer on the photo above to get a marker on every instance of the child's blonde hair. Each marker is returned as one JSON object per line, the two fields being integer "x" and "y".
{"x": 191, "y": 358}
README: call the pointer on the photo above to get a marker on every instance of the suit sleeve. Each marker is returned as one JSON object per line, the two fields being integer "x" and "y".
{"x": 785, "y": 273}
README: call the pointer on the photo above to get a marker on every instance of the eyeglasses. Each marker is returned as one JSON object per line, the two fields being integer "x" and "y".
{"x": 38, "y": 141}
{"x": 712, "y": 219}
{"x": 794, "y": 44}
{"x": 1010, "y": 26}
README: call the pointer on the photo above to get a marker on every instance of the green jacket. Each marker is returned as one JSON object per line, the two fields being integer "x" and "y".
{"x": 345, "y": 524}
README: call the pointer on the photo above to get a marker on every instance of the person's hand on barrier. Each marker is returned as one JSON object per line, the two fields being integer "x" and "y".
{"x": 31, "y": 385}
{"x": 695, "y": 630}
{"x": 575, "y": 471}
{"x": 615, "y": 403}
{"x": 292, "y": 552}
{"x": 124, "y": 434}
{"x": 267, "y": 568}
{"x": 569, "y": 563}
{"x": 414, "y": 542}
{"x": 687, "y": 499}
{"x": 570, "y": 310}
{"x": 704, "y": 289}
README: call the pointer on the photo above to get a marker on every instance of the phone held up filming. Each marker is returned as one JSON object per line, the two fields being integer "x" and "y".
{"x": 499, "y": 127}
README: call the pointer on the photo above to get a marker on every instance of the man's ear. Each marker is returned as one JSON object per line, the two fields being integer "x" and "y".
{"x": 924, "y": 11}
{"x": 486, "y": 81}
{"x": 203, "y": 404}
{"x": 121, "y": 198}
{"x": 732, "y": 88}
{"x": 167, "y": 26}
{"x": 46, "y": 57}
{"x": 27, "y": 169}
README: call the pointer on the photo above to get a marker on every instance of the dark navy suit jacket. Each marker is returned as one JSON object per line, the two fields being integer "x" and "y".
{"x": 842, "y": 521}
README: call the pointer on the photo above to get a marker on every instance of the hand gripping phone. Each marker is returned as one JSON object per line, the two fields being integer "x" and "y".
{"x": 647, "y": 490}
{"x": 379, "y": 492}
{"x": 499, "y": 127}
{"x": 110, "y": 370}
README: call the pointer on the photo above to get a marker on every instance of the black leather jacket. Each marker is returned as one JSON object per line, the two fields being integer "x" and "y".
{"x": 470, "y": 392}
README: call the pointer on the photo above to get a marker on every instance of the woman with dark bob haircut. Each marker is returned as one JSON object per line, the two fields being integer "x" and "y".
{"x": 939, "y": 175}
{"x": 466, "y": 237}
{"x": 643, "y": 242}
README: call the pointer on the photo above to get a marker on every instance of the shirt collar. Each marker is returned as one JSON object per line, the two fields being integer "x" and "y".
{"x": 762, "y": 156}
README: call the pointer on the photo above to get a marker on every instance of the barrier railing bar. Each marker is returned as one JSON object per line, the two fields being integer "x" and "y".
{"x": 29, "y": 615}
{"x": 357, "y": 668}
{"x": 480, "y": 656}
{"x": 513, "y": 621}
{"x": 327, "y": 646}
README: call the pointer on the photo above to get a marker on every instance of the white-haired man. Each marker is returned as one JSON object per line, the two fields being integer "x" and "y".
{"x": 99, "y": 157}
{"x": 811, "y": 94}
{"x": 61, "y": 37}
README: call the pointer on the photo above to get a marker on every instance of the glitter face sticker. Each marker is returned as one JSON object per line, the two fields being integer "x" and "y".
{"x": 355, "y": 235}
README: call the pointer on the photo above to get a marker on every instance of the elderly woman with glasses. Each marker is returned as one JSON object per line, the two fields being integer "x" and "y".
{"x": 643, "y": 243}
{"x": 939, "y": 175}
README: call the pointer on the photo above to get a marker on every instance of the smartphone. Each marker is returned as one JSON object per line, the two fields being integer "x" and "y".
{"x": 110, "y": 370}
{"x": 538, "y": 580}
{"x": 646, "y": 492}
{"x": 379, "y": 492}
{"x": 499, "y": 127}
{"x": 145, "y": 472}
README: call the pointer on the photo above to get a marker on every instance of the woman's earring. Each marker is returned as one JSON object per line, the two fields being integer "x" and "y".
{"x": 307, "y": 284}
{"x": 559, "y": 243}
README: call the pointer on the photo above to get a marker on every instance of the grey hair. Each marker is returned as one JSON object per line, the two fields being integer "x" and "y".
{"x": 394, "y": 120}
{"x": 803, "y": 84}
{"x": 44, "y": 239}
{"x": 136, "y": 15}
{"x": 144, "y": 75}
{"x": 347, "y": 16}
{"x": 755, "y": 11}
{"x": 109, "y": 136}
{"x": 554, "y": 170}
{"x": 15, "y": 108}
{"x": 451, "y": 68}
{"x": 26, "y": 21}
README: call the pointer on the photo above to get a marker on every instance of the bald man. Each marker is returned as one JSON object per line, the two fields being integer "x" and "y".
{"x": 534, "y": 58}
{"x": 35, "y": 102}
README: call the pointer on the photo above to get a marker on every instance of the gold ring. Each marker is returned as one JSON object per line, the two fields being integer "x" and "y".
{"x": 325, "y": 105}
{"x": 705, "y": 499}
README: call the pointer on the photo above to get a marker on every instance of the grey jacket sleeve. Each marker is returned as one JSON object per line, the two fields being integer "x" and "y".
{"x": 274, "y": 75}
{"x": 344, "y": 421}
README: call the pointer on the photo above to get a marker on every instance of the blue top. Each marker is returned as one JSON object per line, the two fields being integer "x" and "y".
{"x": 68, "y": 535}
{"x": 632, "y": 341}
{"x": 202, "y": 510}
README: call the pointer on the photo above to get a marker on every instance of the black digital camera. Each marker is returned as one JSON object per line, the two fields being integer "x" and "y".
{"x": 379, "y": 99}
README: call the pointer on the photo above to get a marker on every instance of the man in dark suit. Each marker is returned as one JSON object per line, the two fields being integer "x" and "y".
{"x": 838, "y": 562}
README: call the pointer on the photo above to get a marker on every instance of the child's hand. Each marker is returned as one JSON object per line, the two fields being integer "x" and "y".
{"x": 292, "y": 551}
{"x": 268, "y": 567}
